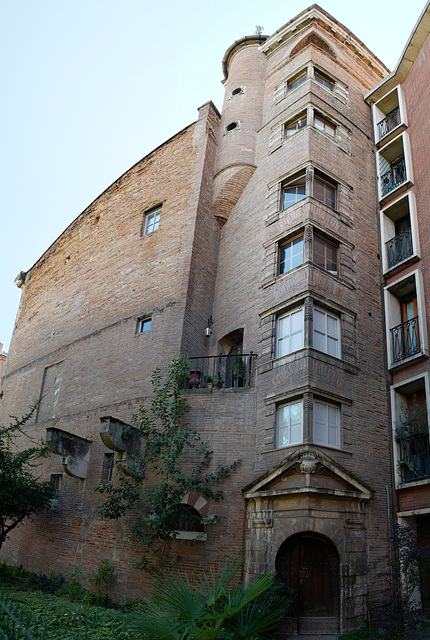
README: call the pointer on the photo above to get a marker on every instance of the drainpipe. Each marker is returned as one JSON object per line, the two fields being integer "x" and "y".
{"x": 387, "y": 491}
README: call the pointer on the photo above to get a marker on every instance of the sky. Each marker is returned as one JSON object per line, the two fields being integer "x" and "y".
{"x": 92, "y": 86}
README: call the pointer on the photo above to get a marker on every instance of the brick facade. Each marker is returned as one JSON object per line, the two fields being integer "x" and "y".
{"x": 219, "y": 184}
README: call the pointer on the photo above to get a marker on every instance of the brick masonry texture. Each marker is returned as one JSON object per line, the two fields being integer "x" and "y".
{"x": 215, "y": 255}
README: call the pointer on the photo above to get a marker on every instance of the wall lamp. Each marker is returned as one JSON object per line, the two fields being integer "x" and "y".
{"x": 208, "y": 328}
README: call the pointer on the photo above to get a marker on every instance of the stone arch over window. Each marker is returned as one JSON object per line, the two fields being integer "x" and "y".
{"x": 191, "y": 514}
{"x": 315, "y": 39}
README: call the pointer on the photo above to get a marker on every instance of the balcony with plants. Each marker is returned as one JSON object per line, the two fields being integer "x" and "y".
{"x": 412, "y": 437}
{"x": 220, "y": 371}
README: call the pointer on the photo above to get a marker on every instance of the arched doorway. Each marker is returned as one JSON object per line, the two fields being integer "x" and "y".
{"x": 309, "y": 563}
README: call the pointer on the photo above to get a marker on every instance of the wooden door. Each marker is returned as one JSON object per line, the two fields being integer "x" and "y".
{"x": 309, "y": 563}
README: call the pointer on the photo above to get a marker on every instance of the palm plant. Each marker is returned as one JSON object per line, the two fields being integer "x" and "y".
{"x": 212, "y": 609}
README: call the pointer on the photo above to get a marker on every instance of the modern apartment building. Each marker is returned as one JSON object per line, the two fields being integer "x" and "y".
{"x": 249, "y": 241}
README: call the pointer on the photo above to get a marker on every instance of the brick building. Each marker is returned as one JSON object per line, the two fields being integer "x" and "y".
{"x": 399, "y": 106}
{"x": 249, "y": 241}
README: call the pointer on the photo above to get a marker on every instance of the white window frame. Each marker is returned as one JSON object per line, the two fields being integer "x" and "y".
{"x": 297, "y": 246}
{"x": 282, "y": 426}
{"x": 152, "y": 221}
{"x": 327, "y": 424}
{"x": 284, "y": 322}
{"x": 326, "y": 333}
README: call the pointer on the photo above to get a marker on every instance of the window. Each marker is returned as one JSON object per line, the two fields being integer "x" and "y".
{"x": 152, "y": 221}
{"x": 143, "y": 324}
{"x": 324, "y": 80}
{"x": 56, "y": 481}
{"x": 323, "y": 125}
{"x": 290, "y": 254}
{"x": 289, "y": 424}
{"x": 326, "y": 424}
{"x": 187, "y": 518}
{"x": 107, "y": 468}
{"x": 289, "y": 334}
{"x": 325, "y": 254}
{"x": 291, "y": 129}
{"x": 296, "y": 81}
{"x": 325, "y": 192}
{"x": 326, "y": 333}
{"x": 293, "y": 192}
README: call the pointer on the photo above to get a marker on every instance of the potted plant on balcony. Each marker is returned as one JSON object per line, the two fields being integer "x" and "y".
{"x": 238, "y": 371}
{"x": 195, "y": 377}
{"x": 208, "y": 381}
{"x": 412, "y": 435}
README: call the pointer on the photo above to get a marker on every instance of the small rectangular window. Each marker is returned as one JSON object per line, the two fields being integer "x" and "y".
{"x": 325, "y": 192}
{"x": 152, "y": 221}
{"x": 324, "y": 80}
{"x": 107, "y": 467}
{"x": 143, "y": 324}
{"x": 326, "y": 424}
{"x": 296, "y": 81}
{"x": 56, "y": 481}
{"x": 326, "y": 334}
{"x": 325, "y": 254}
{"x": 323, "y": 125}
{"x": 293, "y": 127}
{"x": 290, "y": 254}
{"x": 289, "y": 424}
{"x": 289, "y": 332}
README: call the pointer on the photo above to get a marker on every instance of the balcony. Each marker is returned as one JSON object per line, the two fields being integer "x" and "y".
{"x": 414, "y": 462}
{"x": 399, "y": 248}
{"x": 394, "y": 177}
{"x": 390, "y": 122}
{"x": 220, "y": 372}
{"x": 405, "y": 340}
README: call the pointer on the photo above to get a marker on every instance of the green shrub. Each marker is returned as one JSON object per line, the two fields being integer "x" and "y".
{"x": 363, "y": 633}
{"x": 54, "y": 618}
{"x": 14, "y": 576}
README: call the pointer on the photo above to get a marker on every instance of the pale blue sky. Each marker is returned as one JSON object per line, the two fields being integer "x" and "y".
{"x": 90, "y": 87}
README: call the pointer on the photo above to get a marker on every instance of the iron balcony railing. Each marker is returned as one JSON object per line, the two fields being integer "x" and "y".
{"x": 414, "y": 463}
{"x": 221, "y": 371}
{"x": 399, "y": 248}
{"x": 392, "y": 178}
{"x": 406, "y": 339}
{"x": 390, "y": 121}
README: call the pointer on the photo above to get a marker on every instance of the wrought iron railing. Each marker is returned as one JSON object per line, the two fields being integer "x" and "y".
{"x": 392, "y": 178}
{"x": 390, "y": 121}
{"x": 406, "y": 339}
{"x": 399, "y": 248}
{"x": 414, "y": 462}
{"x": 221, "y": 371}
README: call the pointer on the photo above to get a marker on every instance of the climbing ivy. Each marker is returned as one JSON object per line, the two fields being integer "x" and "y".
{"x": 177, "y": 461}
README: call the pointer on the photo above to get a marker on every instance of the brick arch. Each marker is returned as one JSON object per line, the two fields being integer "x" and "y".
{"x": 196, "y": 500}
{"x": 315, "y": 39}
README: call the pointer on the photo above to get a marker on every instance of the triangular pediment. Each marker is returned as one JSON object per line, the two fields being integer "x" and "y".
{"x": 308, "y": 471}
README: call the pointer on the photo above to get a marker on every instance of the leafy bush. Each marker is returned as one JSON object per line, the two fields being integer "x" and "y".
{"x": 54, "y": 618}
{"x": 364, "y": 633}
{"x": 47, "y": 584}
{"x": 213, "y": 608}
{"x": 14, "y": 576}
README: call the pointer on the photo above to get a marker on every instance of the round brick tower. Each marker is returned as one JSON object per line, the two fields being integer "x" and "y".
{"x": 244, "y": 66}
